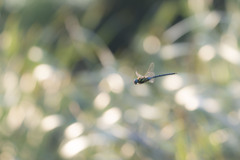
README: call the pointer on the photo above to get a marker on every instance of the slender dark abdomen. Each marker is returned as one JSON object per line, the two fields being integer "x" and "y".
{"x": 167, "y": 74}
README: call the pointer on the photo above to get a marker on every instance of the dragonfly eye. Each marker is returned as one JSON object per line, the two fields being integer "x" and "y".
{"x": 135, "y": 81}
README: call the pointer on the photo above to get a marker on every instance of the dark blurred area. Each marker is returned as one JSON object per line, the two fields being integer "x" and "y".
{"x": 67, "y": 71}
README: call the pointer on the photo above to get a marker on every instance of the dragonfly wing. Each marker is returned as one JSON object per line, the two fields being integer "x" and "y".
{"x": 151, "y": 80}
{"x": 138, "y": 75}
{"x": 149, "y": 74}
{"x": 150, "y": 68}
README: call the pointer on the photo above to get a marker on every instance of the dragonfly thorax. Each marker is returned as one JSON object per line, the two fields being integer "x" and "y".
{"x": 141, "y": 80}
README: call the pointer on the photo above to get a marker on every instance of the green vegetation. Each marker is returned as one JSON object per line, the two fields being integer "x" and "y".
{"x": 67, "y": 70}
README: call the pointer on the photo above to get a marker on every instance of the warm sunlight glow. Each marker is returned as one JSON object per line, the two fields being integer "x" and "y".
{"x": 35, "y": 54}
{"x": 116, "y": 83}
{"x": 5, "y": 39}
{"x": 167, "y": 132}
{"x": 15, "y": 117}
{"x": 109, "y": 117}
{"x": 218, "y": 137}
{"x": 211, "y": 105}
{"x": 196, "y": 5}
{"x": 102, "y": 100}
{"x": 151, "y": 44}
{"x": 10, "y": 81}
{"x": 10, "y": 84}
{"x": 230, "y": 54}
{"x": 106, "y": 57}
{"x": 188, "y": 98}
{"x": 191, "y": 156}
{"x": 149, "y": 112}
{"x": 140, "y": 90}
{"x": 73, "y": 147}
{"x": 212, "y": 20}
{"x": 43, "y": 72}
{"x": 74, "y": 130}
{"x": 172, "y": 82}
{"x": 118, "y": 131}
{"x": 174, "y": 50}
{"x": 27, "y": 82}
{"x": 128, "y": 150}
{"x": 206, "y": 53}
{"x": 53, "y": 83}
{"x": 51, "y": 122}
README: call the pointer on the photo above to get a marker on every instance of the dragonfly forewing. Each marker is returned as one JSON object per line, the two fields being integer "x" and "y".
{"x": 150, "y": 69}
{"x": 150, "y": 72}
{"x": 139, "y": 75}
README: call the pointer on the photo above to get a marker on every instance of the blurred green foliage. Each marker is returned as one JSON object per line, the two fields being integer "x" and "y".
{"x": 67, "y": 70}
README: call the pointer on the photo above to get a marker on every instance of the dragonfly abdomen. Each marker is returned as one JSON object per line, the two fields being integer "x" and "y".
{"x": 161, "y": 75}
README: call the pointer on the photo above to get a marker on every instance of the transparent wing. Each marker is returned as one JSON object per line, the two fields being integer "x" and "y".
{"x": 151, "y": 80}
{"x": 151, "y": 67}
{"x": 138, "y": 75}
{"x": 150, "y": 72}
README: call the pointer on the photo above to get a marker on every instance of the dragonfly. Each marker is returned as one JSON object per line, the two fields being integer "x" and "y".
{"x": 149, "y": 76}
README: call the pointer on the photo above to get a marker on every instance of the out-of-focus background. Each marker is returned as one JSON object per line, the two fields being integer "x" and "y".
{"x": 67, "y": 70}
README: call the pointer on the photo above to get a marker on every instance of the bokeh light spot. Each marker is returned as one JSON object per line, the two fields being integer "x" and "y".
{"x": 10, "y": 81}
{"x": 43, "y": 72}
{"x": 27, "y": 83}
{"x": 119, "y": 131}
{"x": 116, "y": 83}
{"x": 172, "y": 82}
{"x": 149, "y": 112}
{"x": 173, "y": 51}
{"x": 73, "y": 147}
{"x": 106, "y": 57}
{"x": 151, "y": 44}
{"x": 218, "y": 137}
{"x": 10, "y": 84}
{"x": 15, "y": 117}
{"x": 51, "y": 122}
{"x": 102, "y": 100}
{"x": 187, "y": 97}
{"x": 74, "y": 130}
{"x": 230, "y": 54}
{"x": 167, "y": 132}
{"x": 211, "y": 105}
{"x": 128, "y": 150}
{"x": 212, "y": 20}
{"x": 206, "y": 53}
{"x": 53, "y": 83}
{"x": 35, "y": 54}
{"x": 196, "y": 5}
{"x": 104, "y": 86}
{"x": 109, "y": 117}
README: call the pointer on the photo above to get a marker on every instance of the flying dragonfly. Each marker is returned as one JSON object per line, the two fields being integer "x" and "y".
{"x": 149, "y": 76}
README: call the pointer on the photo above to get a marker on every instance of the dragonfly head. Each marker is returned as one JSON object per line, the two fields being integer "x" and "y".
{"x": 135, "y": 81}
